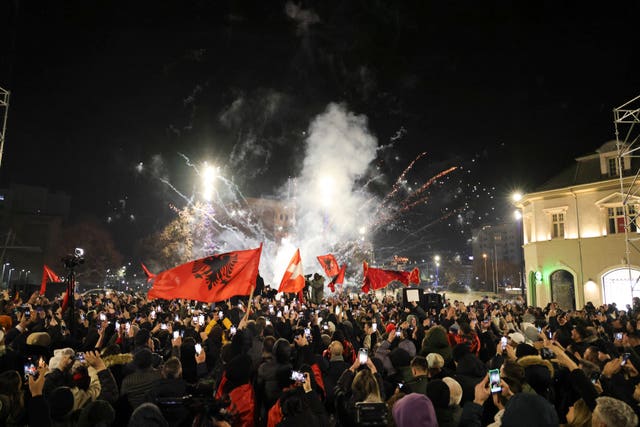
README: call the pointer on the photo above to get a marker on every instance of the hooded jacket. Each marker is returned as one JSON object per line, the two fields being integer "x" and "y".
{"x": 538, "y": 374}
{"x": 469, "y": 372}
{"x": 435, "y": 341}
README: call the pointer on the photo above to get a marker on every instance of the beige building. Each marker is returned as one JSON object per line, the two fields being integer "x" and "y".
{"x": 574, "y": 234}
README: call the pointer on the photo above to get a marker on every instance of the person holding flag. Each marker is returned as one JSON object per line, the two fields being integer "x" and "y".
{"x": 293, "y": 278}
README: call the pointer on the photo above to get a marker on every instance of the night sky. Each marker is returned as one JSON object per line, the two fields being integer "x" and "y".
{"x": 510, "y": 93}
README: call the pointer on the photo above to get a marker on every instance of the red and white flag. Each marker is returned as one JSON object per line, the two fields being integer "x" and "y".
{"x": 293, "y": 278}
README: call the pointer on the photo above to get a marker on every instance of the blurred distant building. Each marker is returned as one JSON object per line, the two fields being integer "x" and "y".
{"x": 31, "y": 219}
{"x": 574, "y": 233}
{"x": 497, "y": 254}
{"x": 277, "y": 217}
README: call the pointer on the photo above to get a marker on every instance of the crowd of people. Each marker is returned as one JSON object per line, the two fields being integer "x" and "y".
{"x": 340, "y": 360}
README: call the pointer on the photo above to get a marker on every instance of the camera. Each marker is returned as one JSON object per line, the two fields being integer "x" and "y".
{"x": 371, "y": 414}
{"x": 547, "y": 354}
{"x": 73, "y": 260}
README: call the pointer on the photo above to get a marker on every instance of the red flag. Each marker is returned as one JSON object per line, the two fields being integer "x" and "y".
{"x": 211, "y": 279}
{"x": 293, "y": 279}
{"x": 377, "y": 278}
{"x": 48, "y": 276}
{"x": 150, "y": 275}
{"x": 65, "y": 300}
{"x": 339, "y": 278}
{"x": 329, "y": 264}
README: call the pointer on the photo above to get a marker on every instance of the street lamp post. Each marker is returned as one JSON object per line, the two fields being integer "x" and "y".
{"x": 437, "y": 262}
{"x": 11, "y": 270}
{"x": 484, "y": 256}
{"x": 517, "y": 197}
{"x": 4, "y": 266}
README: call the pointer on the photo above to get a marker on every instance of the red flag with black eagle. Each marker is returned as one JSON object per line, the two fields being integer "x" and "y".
{"x": 329, "y": 264}
{"x": 377, "y": 278}
{"x": 211, "y": 279}
{"x": 48, "y": 276}
{"x": 339, "y": 278}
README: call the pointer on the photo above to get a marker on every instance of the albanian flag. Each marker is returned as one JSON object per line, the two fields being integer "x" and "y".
{"x": 211, "y": 279}
{"x": 48, "y": 276}
{"x": 293, "y": 279}
{"x": 329, "y": 264}
{"x": 377, "y": 278}
{"x": 339, "y": 278}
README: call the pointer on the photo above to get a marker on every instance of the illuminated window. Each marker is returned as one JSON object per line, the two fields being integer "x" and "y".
{"x": 557, "y": 225}
{"x": 615, "y": 218}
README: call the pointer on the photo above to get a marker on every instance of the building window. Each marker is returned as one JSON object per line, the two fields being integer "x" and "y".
{"x": 613, "y": 167}
{"x": 557, "y": 225}
{"x": 616, "y": 219}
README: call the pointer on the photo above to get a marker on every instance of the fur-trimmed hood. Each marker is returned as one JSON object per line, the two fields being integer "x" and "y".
{"x": 538, "y": 373}
{"x": 528, "y": 361}
{"x": 118, "y": 359}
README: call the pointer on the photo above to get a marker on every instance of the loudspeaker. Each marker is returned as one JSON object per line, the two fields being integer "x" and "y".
{"x": 433, "y": 301}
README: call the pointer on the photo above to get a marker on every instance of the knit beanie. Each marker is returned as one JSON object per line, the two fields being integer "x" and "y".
{"x": 147, "y": 415}
{"x": 40, "y": 339}
{"x": 529, "y": 410}
{"x": 96, "y": 414}
{"x": 438, "y": 392}
{"x": 414, "y": 410}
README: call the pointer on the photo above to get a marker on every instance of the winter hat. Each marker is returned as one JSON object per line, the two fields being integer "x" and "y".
{"x": 517, "y": 337}
{"x": 6, "y": 322}
{"x": 390, "y": 327}
{"x": 60, "y": 403}
{"x": 147, "y": 415}
{"x": 435, "y": 361}
{"x": 40, "y": 339}
{"x": 529, "y": 409}
{"x": 438, "y": 392}
{"x": 531, "y": 334}
{"x": 414, "y": 410}
{"x": 399, "y": 358}
{"x": 455, "y": 390}
{"x": 96, "y": 414}
{"x": 525, "y": 350}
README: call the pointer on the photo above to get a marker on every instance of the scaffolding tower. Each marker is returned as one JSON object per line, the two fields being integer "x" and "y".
{"x": 626, "y": 119}
{"x": 4, "y": 110}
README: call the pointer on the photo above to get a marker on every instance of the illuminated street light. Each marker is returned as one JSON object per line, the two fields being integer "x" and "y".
{"x": 437, "y": 261}
{"x": 517, "y": 214}
{"x": 516, "y": 197}
{"x": 484, "y": 256}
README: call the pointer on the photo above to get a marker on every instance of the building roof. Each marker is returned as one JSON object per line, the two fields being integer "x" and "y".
{"x": 586, "y": 170}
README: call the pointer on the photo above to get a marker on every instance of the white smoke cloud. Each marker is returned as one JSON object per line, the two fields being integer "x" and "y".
{"x": 331, "y": 205}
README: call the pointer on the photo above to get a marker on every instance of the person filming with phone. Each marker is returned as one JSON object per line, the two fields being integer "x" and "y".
{"x": 358, "y": 385}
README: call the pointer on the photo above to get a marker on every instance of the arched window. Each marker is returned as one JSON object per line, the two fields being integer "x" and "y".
{"x": 617, "y": 284}
{"x": 562, "y": 289}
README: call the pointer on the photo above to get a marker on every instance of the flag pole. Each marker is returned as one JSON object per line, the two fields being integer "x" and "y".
{"x": 250, "y": 302}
